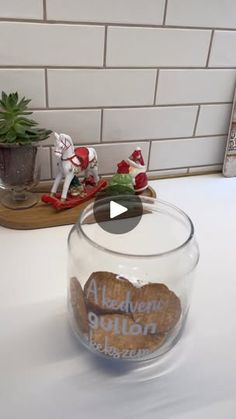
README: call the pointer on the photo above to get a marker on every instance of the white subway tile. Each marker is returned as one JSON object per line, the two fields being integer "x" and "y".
{"x": 45, "y": 163}
{"x": 157, "y": 47}
{"x": 82, "y": 88}
{"x": 204, "y": 169}
{"x": 51, "y": 44}
{"x": 214, "y": 119}
{"x": 148, "y": 123}
{"x": 111, "y": 154}
{"x": 23, "y": 9}
{"x": 123, "y": 11}
{"x": 187, "y": 152}
{"x": 29, "y": 83}
{"x": 82, "y": 125}
{"x": 195, "y": 86}
{"x": 203, "y": 13}
{"x": 223, "y": 49}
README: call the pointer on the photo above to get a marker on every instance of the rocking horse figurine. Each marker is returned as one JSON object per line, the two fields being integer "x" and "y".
{"x": 72, "y": 162}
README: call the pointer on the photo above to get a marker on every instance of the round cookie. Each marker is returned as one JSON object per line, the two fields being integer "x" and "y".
{"x": 78, "y": 305}
{"x": 105, "y": 291}
{"x": 163, "y": 307}
{"x": 113, "y": 337}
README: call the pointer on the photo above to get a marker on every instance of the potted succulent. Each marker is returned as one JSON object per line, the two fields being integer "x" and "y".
{"x": 19, "y": 151}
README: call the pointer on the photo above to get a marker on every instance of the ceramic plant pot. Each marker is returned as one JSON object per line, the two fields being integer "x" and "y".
{"x": 19, "y": 171}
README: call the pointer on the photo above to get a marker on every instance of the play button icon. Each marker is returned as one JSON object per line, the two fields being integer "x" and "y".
{"x": 117, "y": 214}
{"x": 116, "y": 209}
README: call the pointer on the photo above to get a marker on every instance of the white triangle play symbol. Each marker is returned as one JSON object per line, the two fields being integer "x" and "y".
{"x": 116, "y": 209}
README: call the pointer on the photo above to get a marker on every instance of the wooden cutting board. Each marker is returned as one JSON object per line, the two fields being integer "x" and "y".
{"x": 42, "y": 215}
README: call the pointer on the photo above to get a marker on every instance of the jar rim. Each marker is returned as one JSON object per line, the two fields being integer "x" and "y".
{"x": 150, "y": 200}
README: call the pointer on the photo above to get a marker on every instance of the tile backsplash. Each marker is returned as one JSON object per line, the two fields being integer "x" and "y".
{"x": 120, "y": 73}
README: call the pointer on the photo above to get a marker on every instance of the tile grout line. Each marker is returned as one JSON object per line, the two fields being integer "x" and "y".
{"x": 176, "y": 168}
{"x": 167, "y": 169}
{"x": 144, "y": 140}
{"x": 101, "y": 126}
{"x": 196, "y": 122}
{"x": 44, "y": 10}
{"x": 186, "y": 168}
{"x": 206, "y": 165}
{"x": 172, "y": 169}
{"x": 124, "y": 107}
{"x": 165, "y": 13}
{"x": 46, "y": 88}
{"x": 210, "y": 48}
{"x": 115, "y": 24}
{"x": 155, "y": 88}
{"x": 137, "y": 68}
{"x": 105, "y": 47}
{"x": 149, "y": 154}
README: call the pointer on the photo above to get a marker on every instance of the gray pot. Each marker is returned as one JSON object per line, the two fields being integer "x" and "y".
{"x": 19, "y": 171}
{"x": 17, "y": 165}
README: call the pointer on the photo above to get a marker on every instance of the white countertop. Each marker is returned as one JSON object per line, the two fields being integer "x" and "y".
{"x": 44, "y": 373}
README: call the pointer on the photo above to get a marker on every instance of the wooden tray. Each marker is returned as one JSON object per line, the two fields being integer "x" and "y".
{"x": 42, "y": 215}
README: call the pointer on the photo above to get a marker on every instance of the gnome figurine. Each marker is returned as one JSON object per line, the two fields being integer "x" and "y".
{"x": 122, "y": 177}
{"x": 137, "y": 170}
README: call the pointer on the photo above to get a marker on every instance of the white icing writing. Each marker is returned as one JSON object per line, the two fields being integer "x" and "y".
{"x": 126, "y": 305}
{"x": 110, "y": 350}
{"x": 120, "y": 325}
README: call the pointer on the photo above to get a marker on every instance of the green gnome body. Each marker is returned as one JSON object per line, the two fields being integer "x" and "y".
{"x": 121, "y": 183}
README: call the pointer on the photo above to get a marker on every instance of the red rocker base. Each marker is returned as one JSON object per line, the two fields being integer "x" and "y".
{"x": 73, "y": 201}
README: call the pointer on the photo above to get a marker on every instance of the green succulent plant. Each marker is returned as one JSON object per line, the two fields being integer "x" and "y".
{"x": 15, "y": 127}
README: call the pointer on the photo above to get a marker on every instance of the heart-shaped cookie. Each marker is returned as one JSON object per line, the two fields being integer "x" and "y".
{"x": 156, "y": 304}
{"x": 119, "y": 336}
{"x": 78, "y": 305}
{"x": 106, "y": 292}
{"x": 153, "y": 304}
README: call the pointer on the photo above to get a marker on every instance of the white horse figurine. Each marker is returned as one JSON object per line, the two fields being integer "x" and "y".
{"x": 72, "y": 162}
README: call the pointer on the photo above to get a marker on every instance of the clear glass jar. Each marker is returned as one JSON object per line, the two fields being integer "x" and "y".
{"x": 129, "y": 294}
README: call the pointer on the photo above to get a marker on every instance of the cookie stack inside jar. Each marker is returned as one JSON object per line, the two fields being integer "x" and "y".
{"x": 120, "y": 319}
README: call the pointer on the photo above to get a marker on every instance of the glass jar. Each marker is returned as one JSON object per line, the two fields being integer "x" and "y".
{"x": 129, "y": 294}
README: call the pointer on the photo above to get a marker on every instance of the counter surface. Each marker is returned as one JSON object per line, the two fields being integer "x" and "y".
{"x": 44, "y": 373}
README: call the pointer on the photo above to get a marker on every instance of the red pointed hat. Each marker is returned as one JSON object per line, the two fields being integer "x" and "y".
{"x": 123, "y": 167}
{"x": 137, "y": 157}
